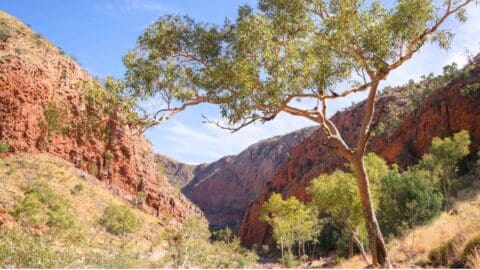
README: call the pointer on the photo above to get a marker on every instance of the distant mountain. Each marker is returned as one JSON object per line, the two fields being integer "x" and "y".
{"x": 178, "y": 174}
{"x": 224, "y": 188}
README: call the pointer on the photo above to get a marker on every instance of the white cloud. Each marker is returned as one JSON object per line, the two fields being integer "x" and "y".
{"x": 145, "y": 5}
{"x": 129, "y": 6}
{"x": 207, "y": 143}
{"x": 187, "y": 140}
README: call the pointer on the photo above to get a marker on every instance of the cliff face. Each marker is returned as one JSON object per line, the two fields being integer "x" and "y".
{"x": 223, "y": 189}
{"x": 177, "y": 173}
{"x": 34, "y": 76}
{"x": 443, "y": 113}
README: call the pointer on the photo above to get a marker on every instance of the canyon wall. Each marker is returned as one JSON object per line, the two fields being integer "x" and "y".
{"x": 35, "y": 74}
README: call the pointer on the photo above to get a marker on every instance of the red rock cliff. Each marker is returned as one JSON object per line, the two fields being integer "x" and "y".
{"x": 33, "y": 73}
{"x": 223, "y": 189}
{"x": 444, "y": 112}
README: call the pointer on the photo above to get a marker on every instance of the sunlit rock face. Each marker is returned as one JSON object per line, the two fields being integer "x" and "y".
{"x": 33, "y": 73}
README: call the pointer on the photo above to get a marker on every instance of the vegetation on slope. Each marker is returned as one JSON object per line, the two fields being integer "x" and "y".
{"x": 57, "y": 216}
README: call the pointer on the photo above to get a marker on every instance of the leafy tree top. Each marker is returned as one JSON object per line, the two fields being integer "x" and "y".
{"x": 336, "y": 194}
{"x": 283, "y": 51}
{"x": 290, "y": 219}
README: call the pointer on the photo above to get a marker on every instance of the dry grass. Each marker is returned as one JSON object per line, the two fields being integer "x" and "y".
{"x": 473, "y": 260}
{"x": 16, "y": 172}
{"x": 413, "y": 249}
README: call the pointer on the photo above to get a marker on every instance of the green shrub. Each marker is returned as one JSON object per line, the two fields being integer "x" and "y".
{"x": 119, "y": 220}
{"x": 140, "y": 198}
{"x": 289, "y": 260}
{"x": 54, "y": 118}
{"x": 77, "y": 189}
{"x": 42, "y": 206}
{"x": 5, "y": 32}
{"x": 472, "y": 90}
{"x": 94, "y": 169}
{"x": 21, "y": 249}
{"x": 121, "y": 257}
{"x": 109, "y": 155}
{"x": 189, "y": 246}
{"x": 4, "y": 147}
{"x": 329, "y": 236}
{"x": 405, "y": 200}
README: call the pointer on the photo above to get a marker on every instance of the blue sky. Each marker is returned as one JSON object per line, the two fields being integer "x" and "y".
{"x": 99, "y": 32}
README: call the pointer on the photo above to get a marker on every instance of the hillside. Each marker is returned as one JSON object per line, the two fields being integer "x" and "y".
{"x": 49, "y": 104}
{"x": 224, "y": 188}
{"x": 91, "y": 244}
{"x": 53, "y": 215}
{"x": 446, "y": 110}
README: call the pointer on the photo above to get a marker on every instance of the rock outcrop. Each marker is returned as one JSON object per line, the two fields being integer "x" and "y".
{"x": 223, "y": 189}
{"x": 34, "y": 74}
{"x": 446, "y": 111}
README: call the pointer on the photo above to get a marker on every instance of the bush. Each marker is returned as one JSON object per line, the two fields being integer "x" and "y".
{"x": 119, "y": 220}
{"x": 189, "y": 246}
{"x": 405, "y": 200}
{"x": 4, "y": 147}
{"x": 21, "y": 249}
{"x": 140, "y": 198}
{"x": 227, "y": 255}
{"x": 77, "y": 189}
{"x": 120, "y": 257}
{"x": 54, "y": 118}
{"x": 329, "y": 236}
{"x": 42, "y": 206}
{"x": 289, "y": 260}
{"x": 441, "y": 163}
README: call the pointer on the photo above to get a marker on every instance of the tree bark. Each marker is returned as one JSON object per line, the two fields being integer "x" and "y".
{"x": 360, "y": 246}
{"x": 350, "y": 245}
{"x": 375, "y": 238}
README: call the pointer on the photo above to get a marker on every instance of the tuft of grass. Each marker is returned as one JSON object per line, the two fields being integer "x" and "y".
{"x": 473, "y": 245}
{"x": 443, "y": 255}
{"x": 4, "y": 147}
{"x": 473, "y": 260}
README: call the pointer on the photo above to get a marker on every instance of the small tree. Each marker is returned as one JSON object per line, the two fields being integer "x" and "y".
{"x": 337, "y": 196}
{"x": 441, "y": 162}
{"x": 269, "y": 61}
{"x": 406, "y": 200}
{"x": 119, "y": 220}
{"x": 292, "y": 222}
{"x": 185, "y": 243}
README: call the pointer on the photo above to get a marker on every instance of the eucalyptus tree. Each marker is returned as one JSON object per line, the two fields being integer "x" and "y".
{"x": 282, "y": 56}
{"x": 336, "y": 195}
{"x": 291, "y": 221}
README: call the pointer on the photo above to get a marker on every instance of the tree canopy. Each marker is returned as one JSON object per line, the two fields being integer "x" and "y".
{"x": 284, "y": 50}
{"x": 291, "y": 220}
